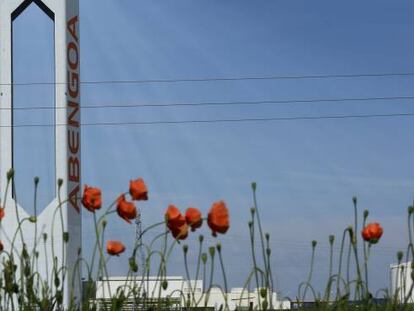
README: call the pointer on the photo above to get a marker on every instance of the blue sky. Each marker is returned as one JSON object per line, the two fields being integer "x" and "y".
{"x": 307, "y": 170}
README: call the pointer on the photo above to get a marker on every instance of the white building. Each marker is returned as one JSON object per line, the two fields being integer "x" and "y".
{"x": 178, "y": 293}
{"x": 401, "y": 281}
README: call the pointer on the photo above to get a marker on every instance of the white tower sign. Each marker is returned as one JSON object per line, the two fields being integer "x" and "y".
{"x": 67, "y": 140}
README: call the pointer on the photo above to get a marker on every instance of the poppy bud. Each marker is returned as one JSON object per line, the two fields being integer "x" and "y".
{"x": 250, "y": 224}
{"x": 366, "y": 213}
{"x": 314, "y": 242}
{"x": 331, "y": 239}
{"x": 351, "y": 234}
{"x": 27, "y": 271}
{"x": 201, "y": 238}
{"x": 66, "y": 237}
{"x": 267, "y": 236}
{"x": 410, "y": 209}
{"x": 218, "y": 246}
{"x": 164, "y": 284}
{"x": 104, "y": 222}
{"x": 25, "y": 254}
{"x": 204, "y": 258}
{"x": 57, "y": 281}
{"x": 400, "y": 255}
{"x": 60, "y": 182}
{"x": 263, "y": 292}
{"x": 32, "y": 219}
{"x": 132, "y": 264}
{"x": 10, "y": 174}
{"x": 354, "y": 200}
{"x": 185, "y": 248}
{"x": 254, "y": 186}
{"x": 212, "y": 251}
{"x": 36, "y": 180}
{"x": 252, "y": 210}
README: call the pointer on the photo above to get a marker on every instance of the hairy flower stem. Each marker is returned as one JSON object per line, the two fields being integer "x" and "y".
{"x": 163, "y": 266}
{"x": 365, "y": 263}
{"x": 251, "y": 227}
{"x": 261, "y": 235}
{"x": 187, "y": 273}
{"x": 308, "y": 282}
{"x": 35, "y": 215}
{"x": 359, "y": 279}
{"x": 329, "y": 285}
{"x": 204, "y": 278}
{"x": 17, "y": 212}
{"x": 5, "y": 193}
{"x": 269, "y": 271}
{"x": 102, "y": 258}
{"x": 340, "y": 264}
{"x": 63, "y": 233}
{"x": 354, "y": 242}
{"x": 410, "y": 233}
{"x": 224, "y": 279}
{"x": 211, "y": 277}
{"x": 200, "y": 250}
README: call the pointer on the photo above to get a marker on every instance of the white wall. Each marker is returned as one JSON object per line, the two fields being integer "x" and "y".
{"x": 178, "y": 286}
{"x": 400, "y": 278}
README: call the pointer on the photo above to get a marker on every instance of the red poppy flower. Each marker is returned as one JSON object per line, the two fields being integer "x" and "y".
{"x": 138, "y": 190}
{"x": 174, "y": 217}
{"x": 176, "y": 223}
{"x": 1, "y": 213}
{"x": 91, "y": 198}
{"x": 115, "y": 247}
{"x": 218, "y": 218}
{"x": 372, "y": 232}
{"x": 193, "y": 218}
{"x": 125, "y": 209}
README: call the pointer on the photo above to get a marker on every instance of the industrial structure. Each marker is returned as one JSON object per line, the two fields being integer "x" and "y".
{"x": 66, "y": 135}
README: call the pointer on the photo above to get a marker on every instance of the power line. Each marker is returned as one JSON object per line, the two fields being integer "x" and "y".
{"x": 223, "y": 103}
{"x": 295, "y": 118}
{"x": 233, "y": 78}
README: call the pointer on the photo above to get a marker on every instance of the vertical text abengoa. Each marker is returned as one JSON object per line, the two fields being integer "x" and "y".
{"x": 73, "y": 113}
